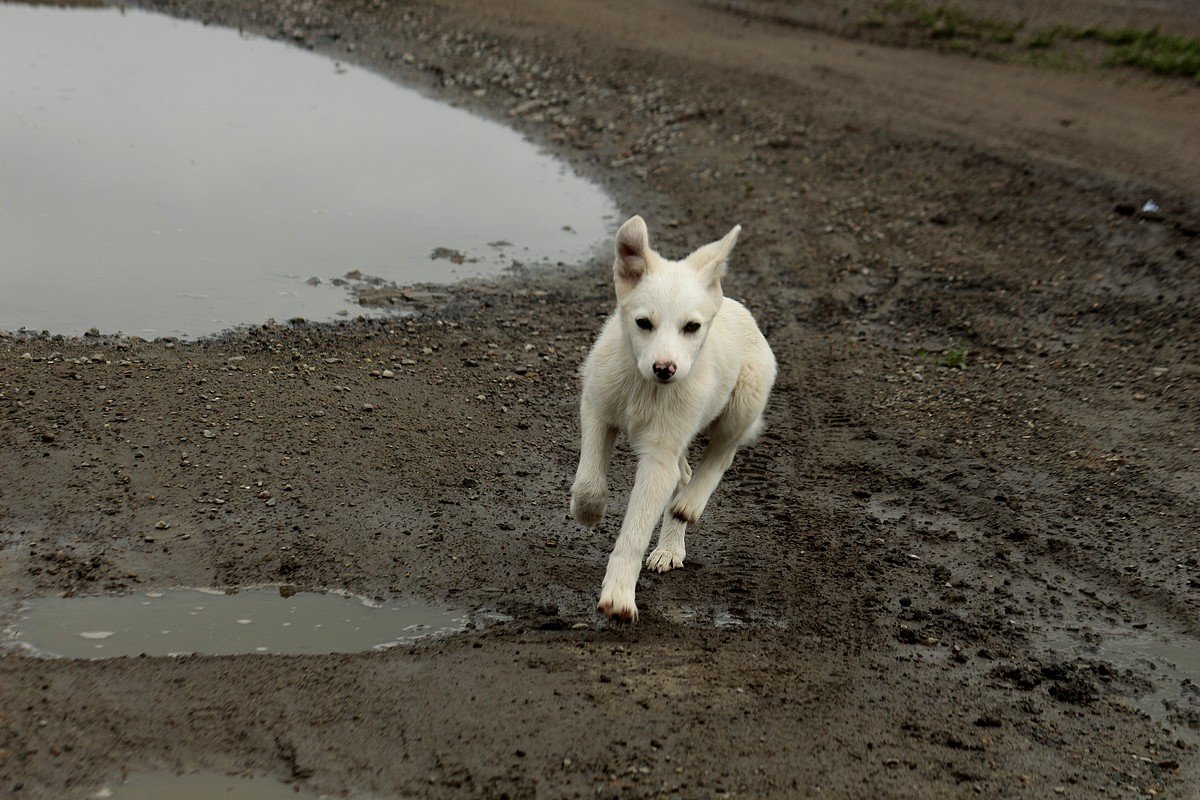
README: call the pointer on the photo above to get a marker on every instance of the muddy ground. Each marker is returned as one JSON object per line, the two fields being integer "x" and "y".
{"x": 981, "y": 456}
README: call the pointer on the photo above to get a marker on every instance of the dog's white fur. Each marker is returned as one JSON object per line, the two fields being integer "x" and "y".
{"x": 722, "y": 374}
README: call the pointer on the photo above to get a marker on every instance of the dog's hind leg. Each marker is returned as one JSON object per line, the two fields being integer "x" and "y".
{"x": 670, "y": 551}
{"x": 738, "y": 425}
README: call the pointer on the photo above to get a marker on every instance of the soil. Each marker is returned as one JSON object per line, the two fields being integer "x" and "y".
{"x": 983, "y": 440}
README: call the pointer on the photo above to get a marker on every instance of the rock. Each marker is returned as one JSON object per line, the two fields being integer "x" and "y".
{"x": 209, "y": 434}
{"x": 162, "y": 525}
{"x": 313, "y": 281}
{"x": 453, "y": 256}
{"x": 387, "y": 373}
{"x": 271, "y": 503}
{"x": 368, "y": 407}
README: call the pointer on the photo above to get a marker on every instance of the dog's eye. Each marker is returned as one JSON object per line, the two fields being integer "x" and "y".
{"x": 691, "y": 327}
{"x": 645, "y": 324}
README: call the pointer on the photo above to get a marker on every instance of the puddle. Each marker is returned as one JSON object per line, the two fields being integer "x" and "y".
{"x": 161, "y": 177}
{"x": 199, "y": 786}
{"x": 719, "y": 617}
{"x": 206, "y": 622}
{"x": 1170, "y": 663}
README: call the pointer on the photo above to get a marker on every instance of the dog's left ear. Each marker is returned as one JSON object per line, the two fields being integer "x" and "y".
{"x": 710, "y": 260}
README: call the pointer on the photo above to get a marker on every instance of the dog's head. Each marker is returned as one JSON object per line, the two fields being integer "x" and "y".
{"x": 666, "y": 307}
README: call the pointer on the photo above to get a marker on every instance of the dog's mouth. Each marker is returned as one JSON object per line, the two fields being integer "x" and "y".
{"x": 664, "y": 380}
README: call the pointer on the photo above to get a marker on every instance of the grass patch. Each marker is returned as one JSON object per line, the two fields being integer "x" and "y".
{"x": 948, "y": 22}
{"x": 955, "y": 29}
{"x": 1155, "y": 52}
{"x": 955, "y": 357}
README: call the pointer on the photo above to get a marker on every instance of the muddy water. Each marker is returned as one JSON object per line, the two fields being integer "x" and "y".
{"x": 198, "y": 786}
{"x": 1169, "y": 661}
{"x": 161, "y": 177}
{"x": 207, "y": 622}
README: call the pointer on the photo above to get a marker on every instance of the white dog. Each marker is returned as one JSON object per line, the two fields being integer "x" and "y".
{"x": 675, "y": 359}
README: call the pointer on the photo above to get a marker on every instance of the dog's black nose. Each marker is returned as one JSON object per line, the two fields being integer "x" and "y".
{"x": 663, "y": 370}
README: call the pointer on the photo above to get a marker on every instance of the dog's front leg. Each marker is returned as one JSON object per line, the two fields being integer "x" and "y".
{"x": 589, "y": 493}
{"x": 657, "y": 475}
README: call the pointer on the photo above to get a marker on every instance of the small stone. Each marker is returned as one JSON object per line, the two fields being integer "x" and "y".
{"x": 313, "y": 281}
{"x": 264, "y": 494}
{"x": 209, "y": 434}
{"x": 162, "y": 525}
{"x": 272, "y": 502}
{"x": 368, "y": 407}
{"x": 387, "y": 373}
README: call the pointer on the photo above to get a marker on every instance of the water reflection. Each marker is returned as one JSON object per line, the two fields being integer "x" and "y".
{"x": 161, "y": 177}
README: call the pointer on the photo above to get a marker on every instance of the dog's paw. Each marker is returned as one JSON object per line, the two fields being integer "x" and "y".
{"x": 665, "y": 559}
{"x": 686, "y": 512}
{"x": 587, "y": 505}
{"x": 618, "y": 604}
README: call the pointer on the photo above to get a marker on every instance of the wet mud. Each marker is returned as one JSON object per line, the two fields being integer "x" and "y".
{"x": 982, "y": 445}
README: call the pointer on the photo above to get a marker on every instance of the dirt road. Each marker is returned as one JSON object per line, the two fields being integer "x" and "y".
{"x": 981, "y": 461}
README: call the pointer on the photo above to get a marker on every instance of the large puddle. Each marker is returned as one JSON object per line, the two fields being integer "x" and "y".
{"x": 161, "y": 177}
{"x": 208, "y": 622}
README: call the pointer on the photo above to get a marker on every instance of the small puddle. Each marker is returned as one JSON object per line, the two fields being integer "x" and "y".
{"x": 207, "y": 622}
{"x": 200, "y": 786}
{"x": 1170, "y": 663}
{"x": 719, "y": 617}
{"x": 161, "y": 177}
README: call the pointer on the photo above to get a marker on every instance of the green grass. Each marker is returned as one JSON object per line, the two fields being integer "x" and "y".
{"x": 1156, "y": 52}
{"x": 955, "y": 357}
{"x": 957, "y": 30}
{"x": 948, "y": 22}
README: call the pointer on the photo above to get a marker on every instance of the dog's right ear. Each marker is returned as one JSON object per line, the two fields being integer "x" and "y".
{"x": 633, "y": 247}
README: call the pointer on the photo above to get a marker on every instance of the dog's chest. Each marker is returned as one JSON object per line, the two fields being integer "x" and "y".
{"x": 656, "y": 412}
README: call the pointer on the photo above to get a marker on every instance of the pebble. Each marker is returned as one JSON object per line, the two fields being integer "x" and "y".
{"x": 387, "y": 373}
{"x": 162, "y": 525}
{"x": 209, "y": 434}
{"x": 368, "y": 407}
